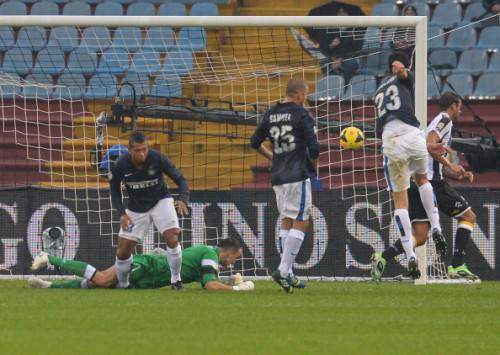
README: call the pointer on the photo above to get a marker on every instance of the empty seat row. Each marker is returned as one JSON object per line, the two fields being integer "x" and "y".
{"x": 98, "y": 39}
{"x": 463, "y": 84}
{"x": 333, "y": 86}
{"x": 472, "y": 61}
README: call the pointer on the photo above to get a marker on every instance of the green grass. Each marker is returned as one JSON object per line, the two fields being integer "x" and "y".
{"x": 325, "y": 318}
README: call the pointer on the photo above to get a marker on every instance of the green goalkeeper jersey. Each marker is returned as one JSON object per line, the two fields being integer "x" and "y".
{"x": 199, "y": 263}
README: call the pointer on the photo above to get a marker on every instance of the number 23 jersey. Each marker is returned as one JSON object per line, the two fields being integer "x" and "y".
{"x": 292, "y": 134}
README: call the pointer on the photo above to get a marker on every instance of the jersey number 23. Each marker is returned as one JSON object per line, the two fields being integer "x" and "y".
{"x": 388, "y": 100}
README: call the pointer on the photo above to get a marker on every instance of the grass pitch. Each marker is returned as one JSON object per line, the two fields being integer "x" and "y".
{"x": 325, "y": 318}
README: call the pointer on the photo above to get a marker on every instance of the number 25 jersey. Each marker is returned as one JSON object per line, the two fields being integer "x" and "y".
{"x": 291, "y": 131}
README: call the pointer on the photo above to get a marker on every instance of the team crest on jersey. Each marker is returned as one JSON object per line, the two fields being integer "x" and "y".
{"x": 151, "y": 171}
{"x": 440, "y": 126}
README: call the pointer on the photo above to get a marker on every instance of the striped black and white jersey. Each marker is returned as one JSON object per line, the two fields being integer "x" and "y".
{"x": 442, "y": 125}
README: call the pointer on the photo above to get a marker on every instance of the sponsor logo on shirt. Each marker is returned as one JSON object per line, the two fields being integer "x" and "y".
{"x": 137, "y": 185}
{"x": 151, "y": 171}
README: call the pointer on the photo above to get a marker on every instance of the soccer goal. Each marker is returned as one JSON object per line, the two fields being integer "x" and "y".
{"x": 73, "y": 87}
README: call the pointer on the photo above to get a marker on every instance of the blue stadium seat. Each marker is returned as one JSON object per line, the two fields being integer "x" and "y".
{"x": 101, "y": 86}
{"x": 385, "y": 10}
{"x": 49, "y": 61}
{"x": 59, "y": 1}
{"x": 71, "y": 86}
{"x": 123, "y": 2}
{"x": 18, "y": 60}
{"x": 114, "y": 61}
{"x": 167, "y": 86}
{"x": 436, "y": 38}
{"x": 494, "y": 66}
{"x": 375, "y": 64}
{"x": 140, "y": 82}
{"x": 472, "y": 61}
{"x": 129, "y": 38}
{"x": 204, "y": 9}
{"x": 172, "y": 9}
{"x": 489, "y": 38}
{"x": 6, "y": 38}
{"x": 64, "y": 38}
{"x": 159, "y": 39}
{"x": 192, "y": 38}
{"x": 13, "y": 8}
{"x": 361, "y": 86}
{"x": 443, "y": 60}
{"x": 45, "y": 8}
{"x": 76, "y": 8}
{"x": 95, "y": 39}
{"x": 462, "y": 83}
{"x": 461, "y": 39}
{"x": 473, "y": 11}
{"x": 33, "y": 38}
{"x": 146, "y": 63}
{"x": 38, "y": 86}
{"x": 328, "y": 87}
{"x": 487, "y": 85}
{"x": 141, "y": 9}
{"x": 372, "y": 40}
{"x": 422, "y": 8}
{"x": 82, "y": 63}
{"x": 109, "y": 8}
{"x": 178, "y": 62}
{"x": 10, "y": 86}
{"x": 446, "y": 15}
{"x": 433, "y": 86}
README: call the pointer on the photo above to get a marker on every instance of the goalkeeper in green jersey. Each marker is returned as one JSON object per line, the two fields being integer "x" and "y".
{"x": 199, "y": 264}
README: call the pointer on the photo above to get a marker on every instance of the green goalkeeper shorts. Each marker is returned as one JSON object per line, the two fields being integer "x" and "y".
{"x": 149, "y": 271}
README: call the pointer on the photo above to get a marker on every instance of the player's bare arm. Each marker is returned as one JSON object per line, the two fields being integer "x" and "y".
{"x": 432, "y": 140}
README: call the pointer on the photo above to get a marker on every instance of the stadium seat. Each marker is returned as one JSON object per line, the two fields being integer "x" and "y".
{"x": 141, "y": 9}
{"x": 172, "y": 9}
{"x": 361, "y": 85}
{"x": 109, "y": 8}
{"x": 33, "y": 38}
{"x": 192, "y": 38}
{"x": 422, "y": 8}
{"x": 76, "y": 8}
{"x": 494, "y": 66}
{"x": 436, "y": 38}
{"x": 446, "y": 15}
{"x": 489, "y": 38}
{"x": 101, "y": 86}
{"x": 204, "y": 9}
{"x": 443, "y": 60}
{"x": 487, "y": 85}
{"x": 45, "y": 8}
{"x": 10, "y": 86}
{"x": 159, "y": 39}
{"x": 64, "y": 38}
{"x": 167, "y": 86}
{"x": 433, "y": 86}
{"x": 82, "y": 63}
{"x": 473, "y": 11}
{"x": 18, "y": 60}
{"x": 123, "y": 2}
{"x": 461, "y": 39}
{"x": 375, "y": 64}
{"x": 6, "y": 38}
{"x": 38, "y": 86}
{"x": 95, "y": 39}
{"x": 49, "y": 61}
{"x": 178, "y": 62}
{"x": 129, "y": 38}
{"x": 462, "y": 83}
{"x": 140, "y": 82}
{"x": 472, "y": 61}
{"x": 385, "y": 10}
{"x": 13, "y": 8}
{"x": 114, "y": 61}
{"x": 70, "y": 86}
{"x": 372, "y": 40}
{"x": 146, "y": 63}
{"x": 331, "y": 86}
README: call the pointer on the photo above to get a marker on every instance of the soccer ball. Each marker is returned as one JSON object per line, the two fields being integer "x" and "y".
{"x": 352, "y": 138}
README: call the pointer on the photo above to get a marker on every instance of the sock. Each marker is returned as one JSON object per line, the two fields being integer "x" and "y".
{"x": 123, "y": 271}
{"x": 282, "y": 239}
{"x": 74, "y": 267}
{"x": 393, "y": 251}
{"x": 174, "y": 259}
{"x": 68, "y": 284}
{"x": 402, "y": 220}
{"x": 462, "y": 237}
{"x": 290, "y": 251}
{"x": 429, "y": 202}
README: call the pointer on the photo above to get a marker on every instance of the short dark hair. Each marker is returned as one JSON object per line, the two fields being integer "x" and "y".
{"x": 295, "y": 86}
{"x": 230, "y": 243}
{"x": 400, "y": 57}
{"x": 447, "y": 99}
{"x": 136, "y": 137}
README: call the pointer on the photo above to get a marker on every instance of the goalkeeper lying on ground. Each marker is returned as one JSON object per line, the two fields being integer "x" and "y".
{"x": 199, "y": 263}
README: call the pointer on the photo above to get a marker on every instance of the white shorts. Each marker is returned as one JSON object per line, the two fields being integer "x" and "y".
{"x": 404, "y": 155}
{"x": 294, "y": 200}
{"x": 163, "y": 215}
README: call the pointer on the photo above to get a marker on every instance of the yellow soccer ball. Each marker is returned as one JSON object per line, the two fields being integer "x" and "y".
{"x": 352, "y": 138}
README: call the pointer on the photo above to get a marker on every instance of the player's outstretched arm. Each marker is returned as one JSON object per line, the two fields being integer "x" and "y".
{"x": 433, "y": 142}
{"x": 219, "y": 286}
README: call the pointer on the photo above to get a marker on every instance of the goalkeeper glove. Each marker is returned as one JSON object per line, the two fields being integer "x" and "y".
{"x": 237, "y": 279}
{"x": 244, "y": 286}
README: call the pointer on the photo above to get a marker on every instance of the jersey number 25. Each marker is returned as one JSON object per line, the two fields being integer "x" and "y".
{"x": 284, "y": 140}
{"x": 390, "y": 99}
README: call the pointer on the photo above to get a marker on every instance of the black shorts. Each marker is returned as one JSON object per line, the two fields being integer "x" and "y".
{"x": 449, "y": 201}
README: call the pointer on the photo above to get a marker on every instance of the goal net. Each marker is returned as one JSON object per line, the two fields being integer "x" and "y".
{"x": 72, "y": 89}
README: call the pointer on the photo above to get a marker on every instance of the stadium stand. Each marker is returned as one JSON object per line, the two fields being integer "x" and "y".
{"x": 461, "y": 83}
{"x": 159, "y": 39}
{"x": 204, "y": 9}
{"x": 41, "y": 88}
{"x": 178, "y": 62}
{"x": 436, "y": 38}
{"x": 9, "y": 89}
{"x": 494, "y": 63}
{"x": 114, "y": 61}
{"x": 101, "y": 86}
{"x": 446, "y": 15}
{"x": 128, "y": 38}
{"x": 6, "y": 38}
{"x": 172, "y": 9}
{"x": 141, "y": 9}
{"x": 472, "y": 61}
{"x": 489, "y": 38}
{"x": 463, "y": 39}
{"x": 64, "y": 38}
{"x": 82, "y": 63}
{"x": 146, "y": 63}
{"x": 487, "y": 85}
{"x": 385, "y": 10}
{"x": 331, "y": 86}
{"x": 443, "y": 60}
{"x": 95, "y": 39}
{"x": 18, "y": 60}
{"x": 192, "y": 38}
{"x": 49, "y": 61}
{"x": 44, "y": 8}
{"x": 33, "y": 37}
{"x": 13, "y": 8}
{"x": 361, "y": 86}
{"x": 71, "y": 86}
{"x": 109, "y": 8}
{"x": 76, "y": 8}
{"x": 167, "y": 86}
{"x": 433, "y": 86}
{"x": 140, "y": 83}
